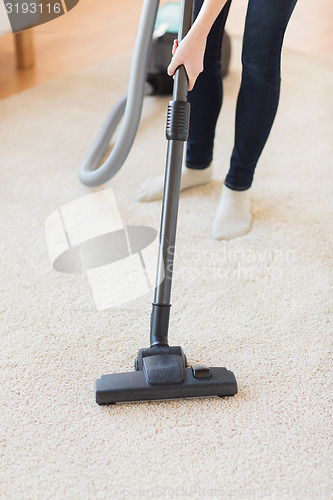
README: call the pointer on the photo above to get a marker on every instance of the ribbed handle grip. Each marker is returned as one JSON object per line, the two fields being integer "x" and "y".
{"x": 178, "y": 121}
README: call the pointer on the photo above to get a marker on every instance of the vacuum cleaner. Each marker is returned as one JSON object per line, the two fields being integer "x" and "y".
{"x": 161, "y": 371}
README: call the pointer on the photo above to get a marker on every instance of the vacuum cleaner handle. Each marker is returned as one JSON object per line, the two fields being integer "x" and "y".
{"x": 182, "y": 84}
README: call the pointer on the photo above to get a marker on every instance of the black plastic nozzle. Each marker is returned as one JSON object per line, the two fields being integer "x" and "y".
{"x": 162, "y": 373}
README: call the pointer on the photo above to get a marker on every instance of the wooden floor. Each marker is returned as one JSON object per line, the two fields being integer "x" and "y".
{"x": 96, "y": 30}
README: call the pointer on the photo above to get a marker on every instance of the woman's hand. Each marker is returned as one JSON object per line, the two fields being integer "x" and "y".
{"x": 191, "y": 49}
{"x": 190, "y": 53}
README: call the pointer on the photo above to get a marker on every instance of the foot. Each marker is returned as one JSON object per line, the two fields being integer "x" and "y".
{"x": 233, "y": 216}
{"x": 152, "y": 189}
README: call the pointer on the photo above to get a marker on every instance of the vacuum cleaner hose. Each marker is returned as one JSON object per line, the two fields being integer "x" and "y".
{"x": 128, "y": 107}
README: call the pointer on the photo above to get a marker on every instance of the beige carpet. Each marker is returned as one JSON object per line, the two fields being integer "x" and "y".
{"x": 260, "y": 305}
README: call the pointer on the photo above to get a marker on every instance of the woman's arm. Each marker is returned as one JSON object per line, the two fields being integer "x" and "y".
{"x": 191, "y": 49}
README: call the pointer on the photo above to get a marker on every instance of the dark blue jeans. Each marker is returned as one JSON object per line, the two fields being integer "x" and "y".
{"x": 258, "y": 97}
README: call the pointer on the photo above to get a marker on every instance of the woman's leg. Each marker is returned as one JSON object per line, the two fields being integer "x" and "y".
{"x": 257, "y": 103}
{"x": 258, "y": 98}
{"x": 206, "y": 96}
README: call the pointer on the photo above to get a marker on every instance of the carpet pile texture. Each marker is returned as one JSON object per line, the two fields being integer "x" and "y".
{"x": 261, "y": 305}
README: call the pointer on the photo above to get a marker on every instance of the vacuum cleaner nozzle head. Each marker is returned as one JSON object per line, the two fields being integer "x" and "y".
{"x": 162, "y": 374}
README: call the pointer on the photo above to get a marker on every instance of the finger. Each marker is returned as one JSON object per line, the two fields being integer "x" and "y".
{"x": 191, "y": 83}
{"x": 172, "y": 67}
{"x": 174, "y": 47}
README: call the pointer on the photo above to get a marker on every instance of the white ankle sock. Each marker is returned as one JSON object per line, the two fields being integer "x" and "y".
{"x": 233, "y": 216}
{"x": 152, "y": 188}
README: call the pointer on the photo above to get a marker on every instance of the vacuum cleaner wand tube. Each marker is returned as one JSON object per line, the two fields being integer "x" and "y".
{"x": 176, "y": 133}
